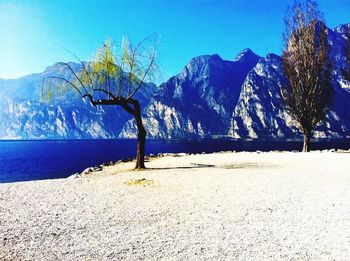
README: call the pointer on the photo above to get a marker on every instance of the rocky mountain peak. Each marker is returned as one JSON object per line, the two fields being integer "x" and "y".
{"x": 246, "y": 54}
{"x": 342, "y": 29}
{"x": 200, "y": 65}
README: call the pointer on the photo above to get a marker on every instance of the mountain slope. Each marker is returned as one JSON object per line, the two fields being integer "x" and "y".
{"x": 199, "y": 101}
{"x": 209, "y": 98}
{"x": 260, "y": 109}
{"x": 239, "y": 99}
{"x": 23, "y": 116}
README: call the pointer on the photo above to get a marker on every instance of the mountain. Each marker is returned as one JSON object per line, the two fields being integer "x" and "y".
{"x": 260, "y": 109}
{"x": 240, "y": 99}
{"x": 199, "y": 101}
{"x": 23, "y": 116}
{"x": 209, "y": 98}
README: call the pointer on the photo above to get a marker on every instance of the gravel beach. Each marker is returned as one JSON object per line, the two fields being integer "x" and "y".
{"x": 221, "y": 206}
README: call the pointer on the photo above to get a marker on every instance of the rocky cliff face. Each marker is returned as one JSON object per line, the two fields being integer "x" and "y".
{"x": 23, "y": 116}
{"x": 260, "y": 109}
{"x": 209, "y": 98}
{"x": 199, "y": 101}
{"x": 240, "y": 99}
{"x": 25, "y": 119}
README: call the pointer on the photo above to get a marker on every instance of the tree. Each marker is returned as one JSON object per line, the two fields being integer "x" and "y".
{"x": 307, "y": 68}
{"x": 112, "y": 79}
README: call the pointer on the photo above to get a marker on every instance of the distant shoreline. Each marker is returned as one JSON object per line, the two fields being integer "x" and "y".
{"x": 297, "y": 139}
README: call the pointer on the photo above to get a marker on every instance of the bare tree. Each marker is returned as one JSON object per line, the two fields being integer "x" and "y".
{"x": 307, "y": 67}
{"x": 112, "y": 79}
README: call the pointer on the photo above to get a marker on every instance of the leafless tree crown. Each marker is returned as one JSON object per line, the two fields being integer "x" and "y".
{"x": 306, "y": 65}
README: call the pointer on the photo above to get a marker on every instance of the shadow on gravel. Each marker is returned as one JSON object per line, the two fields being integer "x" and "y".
{"x": 193, "y": 166}
{"x": 247, "y": 165}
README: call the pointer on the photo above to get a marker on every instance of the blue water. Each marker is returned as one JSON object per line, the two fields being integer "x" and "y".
{"x": 34, "y": 160}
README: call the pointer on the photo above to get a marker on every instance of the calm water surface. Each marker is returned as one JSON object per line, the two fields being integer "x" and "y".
{"x": 33, "y": 160}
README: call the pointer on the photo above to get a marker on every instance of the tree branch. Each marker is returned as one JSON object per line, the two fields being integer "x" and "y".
{"x": 143, "y": 77}
{"x": 70, "y": 68}
{"x": 65, "y": 80}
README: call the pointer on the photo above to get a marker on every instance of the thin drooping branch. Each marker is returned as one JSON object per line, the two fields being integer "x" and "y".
{"x": 64, "y": 80}
{"x": 75, "y": 75}
{"x": 86, "y": 73}
{"x": 116, "y": 80}
{"x": 82, "y": 65}
{"x": 141, "y": 81}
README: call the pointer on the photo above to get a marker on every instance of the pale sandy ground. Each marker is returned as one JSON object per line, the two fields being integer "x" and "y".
{"x": 227, "y": 206}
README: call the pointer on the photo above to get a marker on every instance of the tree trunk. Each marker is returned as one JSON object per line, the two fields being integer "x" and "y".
{"x": 141, "y": 136}
{"x": 307, "y": 136}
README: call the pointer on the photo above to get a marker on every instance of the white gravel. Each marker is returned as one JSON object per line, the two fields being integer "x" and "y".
{"x": 227, "y": 206}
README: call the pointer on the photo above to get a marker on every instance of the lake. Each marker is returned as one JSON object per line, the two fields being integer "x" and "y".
{"x": 34, "y": 160}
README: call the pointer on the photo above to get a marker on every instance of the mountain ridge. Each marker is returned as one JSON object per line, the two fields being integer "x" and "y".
{"x": 210, "y": 97}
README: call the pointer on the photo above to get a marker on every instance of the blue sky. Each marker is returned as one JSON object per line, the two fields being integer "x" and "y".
{"x": 37, "y": 33}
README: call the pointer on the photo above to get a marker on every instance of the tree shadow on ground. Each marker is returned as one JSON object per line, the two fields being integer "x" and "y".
{"x": 246, "y": 165}
{"x": 193, "y": 166}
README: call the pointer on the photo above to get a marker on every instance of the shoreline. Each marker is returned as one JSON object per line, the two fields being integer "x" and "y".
{"x": 99, "y": 168}
{"x": 244, "y": 205}
{"x": 93, "y": 170}
{"x": 62, "y": 159}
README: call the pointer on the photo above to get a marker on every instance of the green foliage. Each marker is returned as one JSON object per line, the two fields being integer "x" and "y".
{"x": 104, "y": 68}
{"x": 122, "y": 73}
{"x": 49, "y": 95}
{"x": 110, "y": 74}
{"x": 42, "y": 93}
